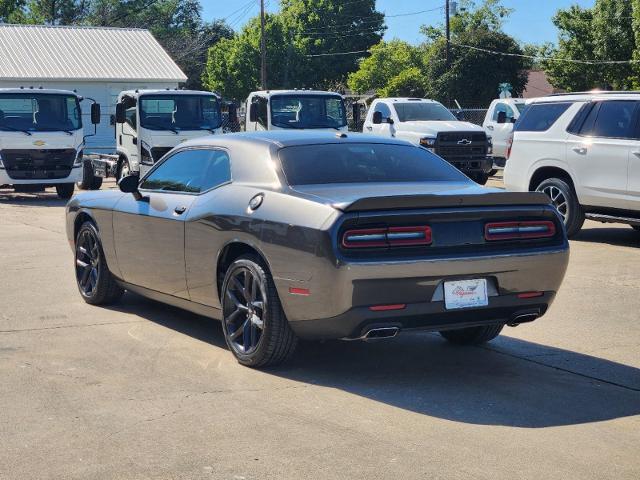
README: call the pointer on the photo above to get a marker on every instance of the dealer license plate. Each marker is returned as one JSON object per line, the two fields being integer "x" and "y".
{"x": 466, "y": 294}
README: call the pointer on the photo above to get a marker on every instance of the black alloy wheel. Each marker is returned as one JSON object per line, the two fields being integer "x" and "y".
{"x": 563, "y": 197}
{"x": 95, "y": 282}
{"x": 254, "y": 325}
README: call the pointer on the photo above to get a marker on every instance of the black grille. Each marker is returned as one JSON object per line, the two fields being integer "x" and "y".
{"x": 159, "y": 152}
{"x": 460, "y": 146}
{"x": 38, "y": 164}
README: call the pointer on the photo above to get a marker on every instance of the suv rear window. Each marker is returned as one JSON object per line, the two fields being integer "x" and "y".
{"x": 539, "y": 117}
{"x": 364, "y": 163}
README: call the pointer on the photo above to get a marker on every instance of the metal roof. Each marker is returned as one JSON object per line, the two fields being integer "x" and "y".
{"x": 39, "y": 52}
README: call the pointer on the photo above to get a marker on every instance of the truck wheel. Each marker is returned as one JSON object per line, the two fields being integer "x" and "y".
{"x": 480, "y": 178}
{"x": 254, "y": 324}
{"x": 65, "y": 190}
{"x": 89, "y": 180}
{"x": 124, "y": 170}
{"x": 472, "y": 335}
{"x": 95, "y": 282}
{"x": 566, "y": 202}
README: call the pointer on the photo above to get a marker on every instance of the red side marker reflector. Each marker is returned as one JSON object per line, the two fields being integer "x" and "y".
{"x": 384, "y": 308}
{"x": 530, "y": 294}
{"x": 299, "y": 291}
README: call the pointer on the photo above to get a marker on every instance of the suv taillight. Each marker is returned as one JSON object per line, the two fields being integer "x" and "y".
{"x": 509, "y": 145}
{"x": 387, "y": 237}
{"x": 519, "y": 230}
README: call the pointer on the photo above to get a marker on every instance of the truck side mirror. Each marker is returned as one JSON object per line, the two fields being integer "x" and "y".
{"x": 253, "y": 112}
{"x": 502, "y": 117}
{"x": 513, "y": 119}
{"x": 95, "y": 113}
{"x": 121, "y": 113}
{"x": 377, "y": 118}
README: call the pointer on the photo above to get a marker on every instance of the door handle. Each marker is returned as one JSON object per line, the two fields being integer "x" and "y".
{"x": 180, "y": 210}
{"x": 580, "y": 150}
{"x": 369, "y": 128}
{"x": 490, "y": 127}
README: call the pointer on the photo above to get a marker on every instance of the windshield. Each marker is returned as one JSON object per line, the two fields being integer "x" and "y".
{"x": 39, "y": 112}
{"x": 420, "y": 111}
{"x": 180, "y": 112}
{"x": 364, "y": 163}
{"x": 308, "y": 111}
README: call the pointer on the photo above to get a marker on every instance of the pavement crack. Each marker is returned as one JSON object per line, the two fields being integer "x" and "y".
{"x": 18, "y": 330}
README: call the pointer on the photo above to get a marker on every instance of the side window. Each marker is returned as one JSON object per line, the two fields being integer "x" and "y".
{"x": 539, "y": 117}
{"x": 503, "y": 107}
{"x": 614, "y": 120}
{"x": 384, "y": 109}
{"x": 262, "y": 110}
{"x": 132, "y": 118}
{"x": 190, "y": 171}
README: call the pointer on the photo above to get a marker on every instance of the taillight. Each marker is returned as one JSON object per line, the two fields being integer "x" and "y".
{"x": 518, "y": 230}
{"x": 387, "y": 237}
{"x": 509, "y": 145}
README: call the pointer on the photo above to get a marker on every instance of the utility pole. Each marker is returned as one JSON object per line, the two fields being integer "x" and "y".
{"x": 448, "y": 30}
{"x": 263, "y": 49}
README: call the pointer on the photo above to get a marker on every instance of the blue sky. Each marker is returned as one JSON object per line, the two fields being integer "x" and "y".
{"x": 530, "y": 21}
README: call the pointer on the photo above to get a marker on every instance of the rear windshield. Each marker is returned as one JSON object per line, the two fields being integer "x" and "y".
{"x": 539, "y": 117}
{"x": 364, "y": 163}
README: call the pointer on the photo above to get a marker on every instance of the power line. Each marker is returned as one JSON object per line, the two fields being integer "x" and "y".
{"x": 336, "y": 53}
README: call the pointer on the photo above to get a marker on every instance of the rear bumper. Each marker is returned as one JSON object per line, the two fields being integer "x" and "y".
{"x": 429, "y": 316}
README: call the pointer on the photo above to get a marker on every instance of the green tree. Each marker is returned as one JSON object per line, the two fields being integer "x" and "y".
{"x": 56, "y": 12}
{"x": 387, "y": 61}
{"x": 12, "y": 11}
{"x": 599, "y": 34}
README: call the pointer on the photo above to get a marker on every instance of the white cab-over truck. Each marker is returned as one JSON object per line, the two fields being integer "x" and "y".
{"x": 429, "y": 124}
{"x": 42, "y": 139}
{"x": 295, "y": 109}
{"x": 498, "y": 123}
{"x": 149, "y": 123}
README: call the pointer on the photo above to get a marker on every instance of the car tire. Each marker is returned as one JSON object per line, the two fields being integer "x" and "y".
{"x": 95, "y": 282}
{"x": 564, "y": 198}
{"x": 254, "y": 324}
{"x": 65, "y": 190}
{"x": 472, "y": 335}
{"x": 480, "y": 178}
{"x": 124, "y": 169}
{"x": 89, "y": 180}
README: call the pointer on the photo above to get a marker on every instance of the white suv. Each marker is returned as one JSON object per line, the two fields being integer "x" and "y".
{"x": 583, "y": 150}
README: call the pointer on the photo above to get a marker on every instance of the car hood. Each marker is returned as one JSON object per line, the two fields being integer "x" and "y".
{"x": 433, "y": 127}
{"x": 350, "y": 197}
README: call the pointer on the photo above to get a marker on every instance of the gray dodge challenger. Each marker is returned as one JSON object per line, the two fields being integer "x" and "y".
{"x": 316, "y": 235}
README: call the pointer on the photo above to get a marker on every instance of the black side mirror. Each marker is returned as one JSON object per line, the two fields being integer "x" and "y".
{"x": 502, "y": 117}
{"x": 253, "y": 112}
{"x": 513, "y": 120}
{"x": 129, "y": 184}
{"x": 121, "y": 113}
{"x": 377, "y": 118}
{"x": 95, "y": 113}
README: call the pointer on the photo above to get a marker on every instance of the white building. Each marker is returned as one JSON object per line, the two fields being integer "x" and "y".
{"x": 96, "y": 62}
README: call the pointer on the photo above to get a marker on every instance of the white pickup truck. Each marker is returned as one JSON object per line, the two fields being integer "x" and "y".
{"x": 429, "y": 124}
{"x": 42, "y": 139}
{"x": 295, "y": 109}
{"x": 149, "y": 123}
{"x": 498, "y": 123}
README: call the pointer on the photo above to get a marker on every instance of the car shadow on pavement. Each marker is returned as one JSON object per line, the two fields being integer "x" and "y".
{"x": 507, "y": 382}
{"x": 40, "y": 199}
{"x": 623, "y": 236}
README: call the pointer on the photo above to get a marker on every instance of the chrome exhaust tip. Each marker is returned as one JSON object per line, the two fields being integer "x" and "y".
{"x": 380, "y": 333}
{"x": 523, "y": 318}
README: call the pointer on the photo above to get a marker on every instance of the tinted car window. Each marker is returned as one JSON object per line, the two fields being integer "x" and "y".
{"x": 421, "y": 111}
{"x": 503, "y": 107}
{"x": 539, "y": 117}
{"x": 261, "y": 110}
{"x": 191, "y": 171}
{"x": 383, "y": 109}
{"x": 364, "y": 163}
{"x": 612, "y": 120}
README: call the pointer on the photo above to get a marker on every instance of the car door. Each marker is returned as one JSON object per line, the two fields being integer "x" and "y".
{"x": 385, "y": 128}
{"x": 499, "y": 127}
{"x": 149, "y": 233}
{"x": 598, "y": 153}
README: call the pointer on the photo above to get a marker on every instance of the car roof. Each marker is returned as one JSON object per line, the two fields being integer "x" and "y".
{"x": 165, "y": 91}
{"x": 294, "y": 92}
{"x": 288, "y": 138}
{"x": 407, "y": 99}
{"x": 587, "y": 96}
{"x": 38, "y": 90}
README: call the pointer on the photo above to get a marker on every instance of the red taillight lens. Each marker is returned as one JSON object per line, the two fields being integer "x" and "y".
{"x": 387, "y": 237}
{"x": 518, "y": 230}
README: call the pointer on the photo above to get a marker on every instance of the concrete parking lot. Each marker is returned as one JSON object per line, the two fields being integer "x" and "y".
{"x": 141, "y": 390}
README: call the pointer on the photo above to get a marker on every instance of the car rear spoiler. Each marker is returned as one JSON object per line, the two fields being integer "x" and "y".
{"x": 440, "y": 201}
